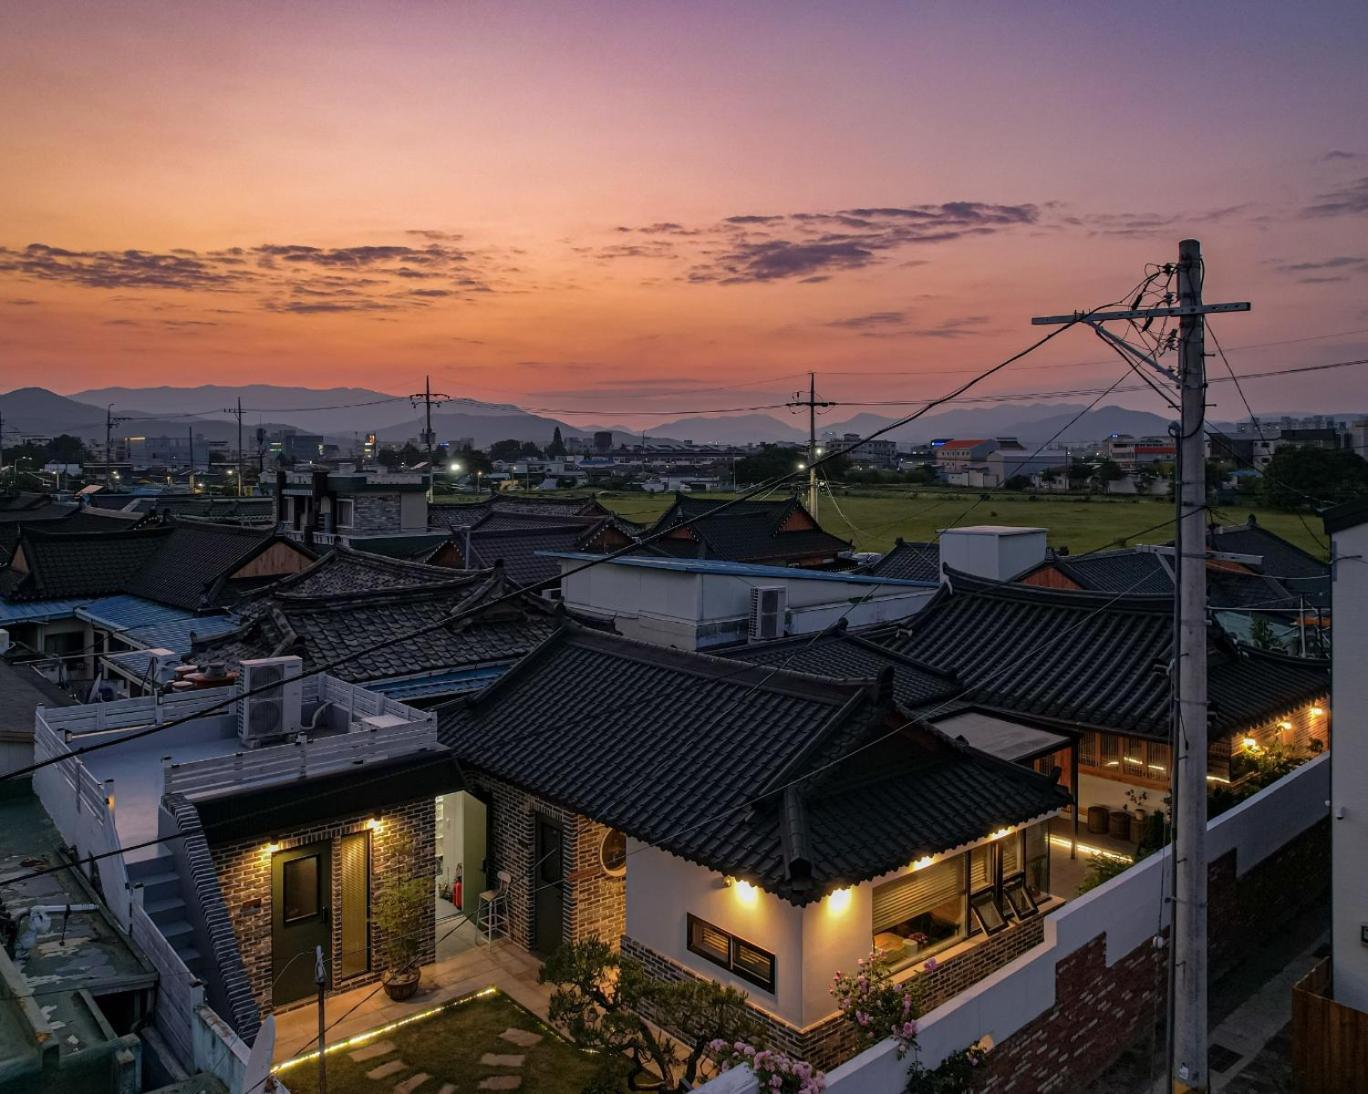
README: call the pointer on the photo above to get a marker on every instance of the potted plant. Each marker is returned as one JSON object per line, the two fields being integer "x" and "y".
{"x": 1137, "y": 800}
{"x": 403, "y": 912}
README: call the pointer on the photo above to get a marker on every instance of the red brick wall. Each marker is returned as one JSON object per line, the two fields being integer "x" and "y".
{"x": 1100, "y": 1011}
{"x": 595, "y": 903}
{"x": 244, "y": 874}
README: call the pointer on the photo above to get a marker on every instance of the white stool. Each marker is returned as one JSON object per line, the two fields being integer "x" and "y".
{"x": 491, "y": 913}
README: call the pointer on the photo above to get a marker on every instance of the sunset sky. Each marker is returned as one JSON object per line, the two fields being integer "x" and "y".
{"x": 643, "y": 206}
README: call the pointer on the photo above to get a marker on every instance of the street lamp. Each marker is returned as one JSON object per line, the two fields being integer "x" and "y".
{"x": 454, "y": 468}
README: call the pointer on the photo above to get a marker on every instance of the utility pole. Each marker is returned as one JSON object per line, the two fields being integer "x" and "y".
{"x": 427, "y": 397}
{"x": 321, "y": 979}
{"x": 239, "y": 452}
{"x": 812, "y": 403}
{"x": 110, "y": 419}
{"x": 1187, "y": 1033}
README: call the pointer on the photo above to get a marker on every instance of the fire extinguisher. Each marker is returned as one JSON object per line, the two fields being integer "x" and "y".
{"x": 456, "y": 886}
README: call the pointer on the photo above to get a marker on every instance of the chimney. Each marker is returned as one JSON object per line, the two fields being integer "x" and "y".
{"x": 995, "y": 551}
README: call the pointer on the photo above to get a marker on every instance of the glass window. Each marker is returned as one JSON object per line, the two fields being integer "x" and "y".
{"x": 1038, "y": 861}
{"x": 746, "y": 960}
{"x": 987, "y": 912}
{"x": 613, "y": 852}
{"x": 301, "y": 896}
{"x": 921, "y": 913}
{"x": 1011, "y": 854}
{"x": 1018, "y": 899}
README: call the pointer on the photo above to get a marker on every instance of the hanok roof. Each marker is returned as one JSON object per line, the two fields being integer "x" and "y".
{"x": 1302, "y": 573}
{"x": 522, "y": 549}
{"x": 195, "y": 558}
{"x": 841, "y": 654}
{"x": 1091, "y": 659}
{"x": 470, "y": 514}
{"x": 54, "y": 516}
{"x": 52, "y": 565}
{"x": 745, "y": 531}
{"x": 798, "y": 783}
{"x": 314, "y": 618}
{"x": 909, "y": 561}
{"x": 22, "y": 691}
{"x": 345, "y": 570}
{"x": 1230, "y": 585}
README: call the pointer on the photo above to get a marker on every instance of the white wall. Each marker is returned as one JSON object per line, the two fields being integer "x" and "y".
{"x": 662, "y": 889}
{"x": 999, "y": 552}
{"x": 1129, "y": 910}
{"x": 1349, "y": 787}
{"x": 697, "y": 611}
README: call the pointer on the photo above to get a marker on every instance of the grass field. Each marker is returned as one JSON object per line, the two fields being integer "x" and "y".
{"x": 874, "y": 518}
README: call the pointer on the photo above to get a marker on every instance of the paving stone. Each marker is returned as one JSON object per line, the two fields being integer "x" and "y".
{"x": 371, "y": 1051}
{"x": 523, "y": 1038}
{"x": 412, "y": 1083}
{"x": 384, "y": 1071}
{"x": 501, "y": 1082}
{"x": 494, "y": 1059}
{"x": 447, "y": 1088}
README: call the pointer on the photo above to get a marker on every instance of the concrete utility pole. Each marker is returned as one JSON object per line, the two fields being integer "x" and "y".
{"x": 239, "y": 451}
{"x": 1187, "y": 1035}
{"x": 427, "y": 397}
{"x": 812, "y": 403}
{"x": 1189, "y": 1065}
{"x": 110, "y": 419}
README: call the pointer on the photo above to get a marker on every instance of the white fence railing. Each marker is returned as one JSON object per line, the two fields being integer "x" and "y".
{"x": 298, "y": 760}
{"x": 179, "y": 991}
{"x": 359, "y": 702}
{"x": 82, "y": 808}
{"x": 1129, "y": 910}
{"x": 131, "y": 713}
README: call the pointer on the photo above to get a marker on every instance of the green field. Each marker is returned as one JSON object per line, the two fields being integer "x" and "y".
{"x": 874, "y": 517}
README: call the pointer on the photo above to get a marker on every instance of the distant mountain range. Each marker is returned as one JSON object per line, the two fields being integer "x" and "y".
{"x": 340, "y": 414}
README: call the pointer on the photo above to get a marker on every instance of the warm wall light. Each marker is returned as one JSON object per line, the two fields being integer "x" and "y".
{"x": 271, "y": 848}
{"x": 1000, "y": 833}
{"x": 747, "y": 893}
{"x": 839, "y": 901}
{"x": 1316, "y": 712}
{"x": 923, "y": 862}
{"x": 373, "y": 824}
{"x": 1249, "y": 744}
{"x": 1284, "y": 725}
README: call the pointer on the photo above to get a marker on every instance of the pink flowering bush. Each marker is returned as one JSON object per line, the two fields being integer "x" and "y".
{"x": 879, "y": 1007}
{"x": 775, "y": 1072}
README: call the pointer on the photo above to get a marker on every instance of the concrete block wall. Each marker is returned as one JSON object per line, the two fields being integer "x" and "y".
{"x": 244, "y": 875}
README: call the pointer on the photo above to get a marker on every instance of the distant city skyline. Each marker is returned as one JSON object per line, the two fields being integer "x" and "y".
{"x": 613, "y": 210}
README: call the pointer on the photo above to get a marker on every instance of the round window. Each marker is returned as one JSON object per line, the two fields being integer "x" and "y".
{"x": 613, "y": 852}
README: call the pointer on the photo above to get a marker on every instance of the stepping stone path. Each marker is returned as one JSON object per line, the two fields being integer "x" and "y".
{"x": 412, "y": 1083}
{"x": 447, "y": 1088}
{"x": 501, "y": 1082}
{"x": 523, "y": 1038}
{"x": 385, "y": 1070}
{"x": 494, "y": 1059}
{"x": 371, "y": 1051}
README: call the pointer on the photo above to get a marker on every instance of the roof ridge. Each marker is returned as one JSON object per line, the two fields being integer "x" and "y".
{"x": 967, "y": 584}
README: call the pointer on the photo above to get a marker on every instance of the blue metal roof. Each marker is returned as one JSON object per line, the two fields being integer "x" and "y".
{"x": 176, "y": 635}
{"x": 39, "y": 611}
{"x": 438, "y": 683}
{"x": 122, "y": 612}
{"x": 151, "y": 625}
{"x": 738, "y": 569}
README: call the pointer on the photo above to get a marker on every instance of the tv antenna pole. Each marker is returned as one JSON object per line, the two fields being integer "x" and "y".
{"x": 1187, "y": 1035}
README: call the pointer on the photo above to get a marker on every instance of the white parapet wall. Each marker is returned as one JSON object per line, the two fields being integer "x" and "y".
{"x": 1130, "y": 910}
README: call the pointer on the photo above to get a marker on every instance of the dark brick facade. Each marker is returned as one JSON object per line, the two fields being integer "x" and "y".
{"x": 595, "y": 902}
{"x": 244, "y": 876}
{"x": 1100, "y": 1011}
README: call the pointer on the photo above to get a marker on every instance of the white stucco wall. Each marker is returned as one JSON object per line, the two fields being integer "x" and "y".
{"x": 662, "y": 889}
{"x": 1349, "y": 770}
{"x": 694, "y": 611}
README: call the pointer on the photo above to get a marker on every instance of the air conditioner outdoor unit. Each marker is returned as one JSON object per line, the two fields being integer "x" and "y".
{"x": 275, "y": 713}
{"x": 161, "y": 666}
{"x": 767, "y": 610}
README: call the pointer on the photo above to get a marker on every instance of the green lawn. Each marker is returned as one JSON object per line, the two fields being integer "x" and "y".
{"x": 874, "y": 517}
{"x": 448, "y": 1047}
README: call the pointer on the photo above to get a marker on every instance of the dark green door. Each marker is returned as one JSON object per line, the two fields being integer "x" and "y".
{"x": 548, "y": 903}
{"x": 301, "y": 889}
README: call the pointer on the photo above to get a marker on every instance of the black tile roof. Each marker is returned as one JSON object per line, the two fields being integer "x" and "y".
{"x": 1301, "y": 573}
{"x": 346, "y": 570}
{"x": 909, "y": 561}
{"x": 1093, "y": 659}
{"x": 1149, "y": 573}
{"x": 316, "y": 620}
{"x": 470, "y": 514}
{"x": 22, "y": 691}
{"x": 75, "y": 564}
{"x": 747, "y": 531}
{"x": 59, "y": 517}
{"x": 518, "y": 548}
{"x": 193, "y": 559}
{"x": 847, "y": 655}
{"x": 798, "y": 783}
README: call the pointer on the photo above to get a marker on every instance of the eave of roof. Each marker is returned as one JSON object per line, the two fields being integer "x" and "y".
{"x": 738, "y": 569}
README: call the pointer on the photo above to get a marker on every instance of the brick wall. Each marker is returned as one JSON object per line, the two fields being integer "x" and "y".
{"x": 244, "y": 875}
{"x": 834, "y": 1040}
{"x": 374, "y": 513}
{"x": 595, "y": 903}
{"x": 1100, "y": 1011}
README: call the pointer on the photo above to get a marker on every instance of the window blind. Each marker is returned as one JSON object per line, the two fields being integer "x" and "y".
{"x": 898, "y": 901}
{"x": 981, "y": 868}
{"x": 354, "y": 851}
{"x": 1011, "y": 854}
